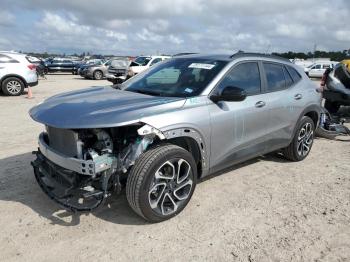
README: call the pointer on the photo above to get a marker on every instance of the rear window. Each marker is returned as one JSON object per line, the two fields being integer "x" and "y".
{"x": 294, "y": 74}
{"x": 274, "y": 76}
{"x": 119, "y": 63}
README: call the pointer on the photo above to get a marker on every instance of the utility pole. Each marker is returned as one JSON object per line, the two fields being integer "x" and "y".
{"x": 315, "y": 46}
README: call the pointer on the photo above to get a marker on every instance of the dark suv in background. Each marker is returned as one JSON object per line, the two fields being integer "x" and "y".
{"x": 60, "y": 65}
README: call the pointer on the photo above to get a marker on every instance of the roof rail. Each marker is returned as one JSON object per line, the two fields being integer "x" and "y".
{"x": 244, "y": 54}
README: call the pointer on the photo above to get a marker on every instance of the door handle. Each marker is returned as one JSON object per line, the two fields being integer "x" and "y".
{"x": 298, "y": 97}
{"x": 260, "y": 104}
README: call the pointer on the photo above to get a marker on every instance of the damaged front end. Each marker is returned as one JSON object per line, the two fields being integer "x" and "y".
{"x": 80, "y": 169}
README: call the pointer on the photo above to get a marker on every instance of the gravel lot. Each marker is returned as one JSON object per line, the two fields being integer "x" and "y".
{"x": 267, "y": 209}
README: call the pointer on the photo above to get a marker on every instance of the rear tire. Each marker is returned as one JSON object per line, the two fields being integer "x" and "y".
{"x": 12, "y": 86}
{"x": 332, "y": 107}
{"x": 301, "y": 144}
{"x": 161, "y": 182}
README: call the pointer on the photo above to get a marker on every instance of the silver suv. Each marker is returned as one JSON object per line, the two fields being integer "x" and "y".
{"x": 16, "y": 73}
{"x": 164, "y": 129}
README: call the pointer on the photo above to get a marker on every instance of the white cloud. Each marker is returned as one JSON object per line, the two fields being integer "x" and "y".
{"x": 6, "y": 18}
{"x": 343, "y": 35}
{"x": 176, "y": 40}
{"x": 65, "y": 26}
{"x": 143, "y": 26}
{"x": 292, "y": 30}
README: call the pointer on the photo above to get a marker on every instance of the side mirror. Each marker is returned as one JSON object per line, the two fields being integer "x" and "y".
{"x": 230, "y": 94}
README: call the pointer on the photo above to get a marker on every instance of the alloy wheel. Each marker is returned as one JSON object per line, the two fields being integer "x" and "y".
{"x": 98, "y": 75}
{"x": 13, "y": 87}
{"x": 305, "y": 139}
{"x": 171, "y": 186}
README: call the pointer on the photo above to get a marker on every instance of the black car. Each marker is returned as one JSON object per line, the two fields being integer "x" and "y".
{"x": 60, "y": 65}
{"x": 337, "y": 88}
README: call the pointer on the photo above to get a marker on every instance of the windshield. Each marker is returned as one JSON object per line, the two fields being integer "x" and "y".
{"x": 120, "y": 63}
{"x": 142, "y": 60}
{"x": 179, "y": 77}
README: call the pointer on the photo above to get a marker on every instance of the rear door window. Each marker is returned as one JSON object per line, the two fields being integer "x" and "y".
{"x": 274, "y": 76}
{"x": 246, "y": 76}
{"x": 155, "y": 61}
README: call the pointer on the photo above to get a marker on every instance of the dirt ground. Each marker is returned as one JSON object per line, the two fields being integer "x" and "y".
{"x": 267, "y": 209}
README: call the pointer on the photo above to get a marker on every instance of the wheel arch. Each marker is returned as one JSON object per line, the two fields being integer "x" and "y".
{"x": 189, "y": 144}
{"x": 192, "y": 141}
{"x": 14, "y": 75}
{"x": 99, "y": 70}
{"x": 312, "y": 111}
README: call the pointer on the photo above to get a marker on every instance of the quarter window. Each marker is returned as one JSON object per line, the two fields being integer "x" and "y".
{"x": 294, "y": 74}
{"x": 245, "y": 76}
{"x": 274, "y": 76}
{"x": 7, "y": 59}
{"x": 289, "y": 80}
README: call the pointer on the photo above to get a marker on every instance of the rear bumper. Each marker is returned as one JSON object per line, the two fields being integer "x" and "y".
{"x": 33, "y": 83}
{"x": 116, "y": 79}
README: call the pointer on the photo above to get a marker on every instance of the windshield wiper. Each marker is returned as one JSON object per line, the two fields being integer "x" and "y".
{"x": 147, "y": 92}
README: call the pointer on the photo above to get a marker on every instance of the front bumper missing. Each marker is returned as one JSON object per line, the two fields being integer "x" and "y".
{"x": 70, "y": 190}
{"x": 84, "y": 167}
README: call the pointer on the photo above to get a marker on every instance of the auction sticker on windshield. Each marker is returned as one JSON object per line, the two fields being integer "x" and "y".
{"x": 201, "y": 66}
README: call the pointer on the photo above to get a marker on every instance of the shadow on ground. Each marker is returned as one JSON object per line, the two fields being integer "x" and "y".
{"x": 18, "y": 184}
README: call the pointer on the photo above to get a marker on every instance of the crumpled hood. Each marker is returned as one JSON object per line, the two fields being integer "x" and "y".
{"x": 98, "y": 107}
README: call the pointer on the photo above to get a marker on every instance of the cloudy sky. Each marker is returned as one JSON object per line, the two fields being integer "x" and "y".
{"x": 170, "y": 26}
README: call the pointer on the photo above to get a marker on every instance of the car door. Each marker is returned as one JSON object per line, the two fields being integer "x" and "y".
{"x": 315, "y": 70}
{"x": 285, "y": 102}
{"x": 238, "y": 128}
{"x": 67, "y": 65}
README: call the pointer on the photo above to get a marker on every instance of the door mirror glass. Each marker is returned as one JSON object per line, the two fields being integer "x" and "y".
{"x": 230, "y": 94}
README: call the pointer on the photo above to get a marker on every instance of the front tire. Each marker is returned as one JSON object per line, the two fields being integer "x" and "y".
{"x": 161, "y": 182}
{"x": 12, "y": 86}
{"x": 301, "y": 144}
{"x": 98, "y": 75}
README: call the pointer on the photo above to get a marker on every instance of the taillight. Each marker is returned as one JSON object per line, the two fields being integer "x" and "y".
{"x": 32, "y": 67}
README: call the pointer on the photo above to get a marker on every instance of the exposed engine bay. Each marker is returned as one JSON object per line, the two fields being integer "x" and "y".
{"x": 79, "y": 169}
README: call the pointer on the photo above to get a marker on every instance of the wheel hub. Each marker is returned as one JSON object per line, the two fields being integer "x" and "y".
{"x": 171, "y": 186}
{"x": 305, "y": 139}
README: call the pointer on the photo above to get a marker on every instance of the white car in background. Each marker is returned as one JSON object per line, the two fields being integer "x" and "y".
{"x": 318, "y": 69}
{"x": 141, "y": 63}
{"x": 16, "y": 73}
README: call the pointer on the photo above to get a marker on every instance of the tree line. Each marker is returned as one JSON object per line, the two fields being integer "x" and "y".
{"x": 333, "y": 55}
